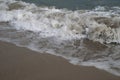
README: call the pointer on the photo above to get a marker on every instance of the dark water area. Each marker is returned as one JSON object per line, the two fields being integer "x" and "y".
{"x": 76, "y": 4}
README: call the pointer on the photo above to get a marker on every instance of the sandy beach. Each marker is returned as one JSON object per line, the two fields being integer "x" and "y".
{"x": 17, "y": 63}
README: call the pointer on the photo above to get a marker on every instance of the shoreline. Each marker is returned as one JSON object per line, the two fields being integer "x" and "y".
{"x": 19, "y": 63}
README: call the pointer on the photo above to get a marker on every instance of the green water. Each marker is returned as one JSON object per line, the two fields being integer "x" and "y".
{"x": 76, "y": 4}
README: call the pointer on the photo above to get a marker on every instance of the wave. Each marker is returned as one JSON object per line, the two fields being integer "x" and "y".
{"x": 95, "y": 25}
{"x": 85, "y": 37}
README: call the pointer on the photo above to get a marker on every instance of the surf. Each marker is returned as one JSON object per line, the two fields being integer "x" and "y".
{"x": 84, "y": 37}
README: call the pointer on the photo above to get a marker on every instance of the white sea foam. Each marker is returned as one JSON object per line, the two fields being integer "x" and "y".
{"x": 65, "y": 24}
{"x": 62, "y": 32}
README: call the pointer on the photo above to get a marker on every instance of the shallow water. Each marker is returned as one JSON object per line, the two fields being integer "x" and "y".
{"x": 84, "y": 37}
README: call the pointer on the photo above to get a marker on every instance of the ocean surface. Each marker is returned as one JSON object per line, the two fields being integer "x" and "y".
{"x": 76, "y": 4}
{"x": 85, "y": 32}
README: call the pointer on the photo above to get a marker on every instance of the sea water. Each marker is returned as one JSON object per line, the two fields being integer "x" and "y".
{"x": 84, "y": 36}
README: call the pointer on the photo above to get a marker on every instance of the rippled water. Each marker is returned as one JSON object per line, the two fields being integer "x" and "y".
{"x": 84, "y": 37}
{"x": 76, "y": 4}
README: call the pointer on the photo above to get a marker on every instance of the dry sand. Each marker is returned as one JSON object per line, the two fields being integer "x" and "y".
{"x": 18, "y": 63}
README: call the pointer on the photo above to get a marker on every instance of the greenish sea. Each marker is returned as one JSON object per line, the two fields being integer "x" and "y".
{"x": 76, "y": 4}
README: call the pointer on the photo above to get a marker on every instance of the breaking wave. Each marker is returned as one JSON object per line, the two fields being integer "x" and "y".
{"x": 85, "y": 37}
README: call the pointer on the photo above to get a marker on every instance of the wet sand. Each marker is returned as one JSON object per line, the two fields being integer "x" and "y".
{"x": 17, "y": 63}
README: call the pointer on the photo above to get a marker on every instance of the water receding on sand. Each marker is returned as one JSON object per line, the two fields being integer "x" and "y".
{"x": 84, "y": 37}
